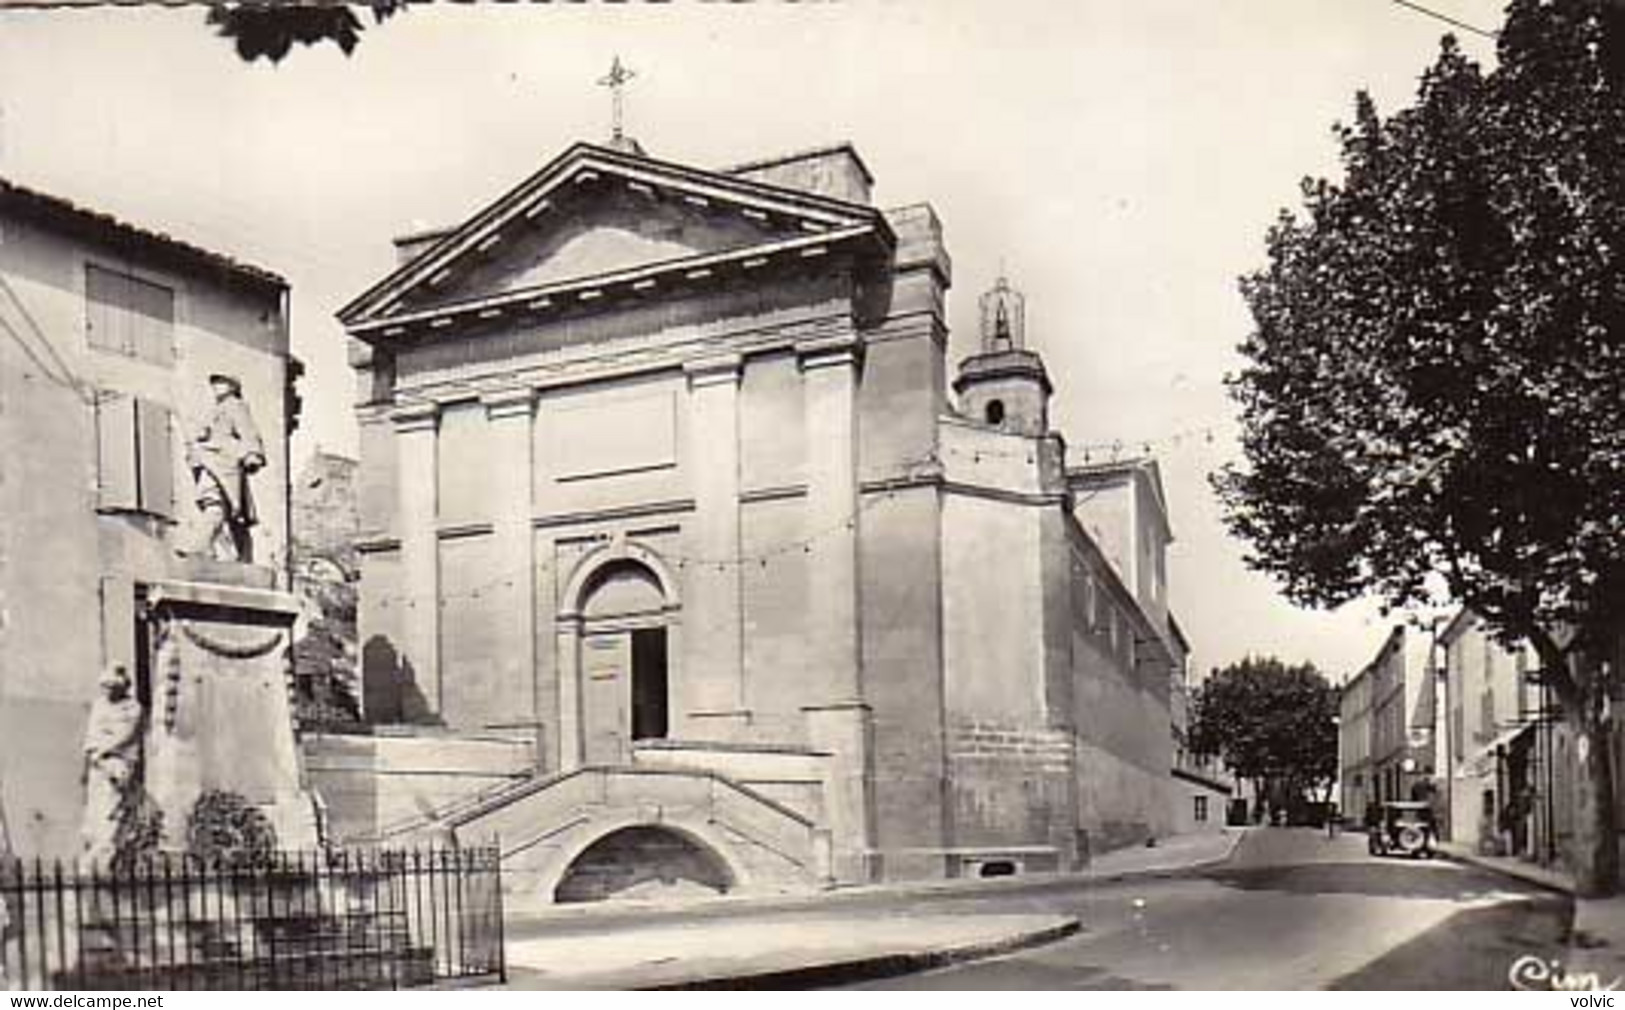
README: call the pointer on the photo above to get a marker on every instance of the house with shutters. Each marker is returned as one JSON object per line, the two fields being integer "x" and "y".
{"x": 690, "y": 560}
{"x": 109, "y": 333}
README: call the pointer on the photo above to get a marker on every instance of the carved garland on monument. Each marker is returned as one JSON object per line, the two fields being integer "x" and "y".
{"x": 232, "y": 650}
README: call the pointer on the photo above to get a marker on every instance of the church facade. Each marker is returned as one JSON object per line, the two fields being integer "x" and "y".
{"x": 685, "y": 548}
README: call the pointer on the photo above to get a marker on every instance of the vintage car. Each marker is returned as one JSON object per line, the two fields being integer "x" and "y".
{"x": 1404, "y": 828}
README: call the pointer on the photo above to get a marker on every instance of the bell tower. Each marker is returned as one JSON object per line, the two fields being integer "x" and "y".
{"x": 1004, "y": 385}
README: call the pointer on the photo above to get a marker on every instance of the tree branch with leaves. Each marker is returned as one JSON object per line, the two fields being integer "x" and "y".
{"x": 1435, "y": 391}
{"x": 272, "y": 29}
{"x": 1271, "y": 723}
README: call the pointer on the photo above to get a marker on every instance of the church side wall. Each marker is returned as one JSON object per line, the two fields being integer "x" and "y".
{"x": 1107, "y": 514}
{"x": 1150, "y": 564}
{"x": 902, "y": 678}
{"x": 993, "y": 611}
{"x": 1010, "y": 761}
{"x": 1125, "y": 747}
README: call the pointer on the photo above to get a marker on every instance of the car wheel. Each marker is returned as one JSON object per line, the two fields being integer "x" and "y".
{"x": 1412, "y": 840}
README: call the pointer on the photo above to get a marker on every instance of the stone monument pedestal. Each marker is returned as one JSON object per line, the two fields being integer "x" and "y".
{"x": 220, "y": 707}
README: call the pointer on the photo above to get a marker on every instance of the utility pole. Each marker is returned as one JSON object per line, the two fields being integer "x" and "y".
{"x": 1442, "y": 671}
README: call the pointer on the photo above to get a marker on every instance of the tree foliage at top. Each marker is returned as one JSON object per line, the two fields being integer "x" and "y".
{"x": 271, "y": 30}
{"x": 1270, "y": 722}
{"x": 1435, "y": 387}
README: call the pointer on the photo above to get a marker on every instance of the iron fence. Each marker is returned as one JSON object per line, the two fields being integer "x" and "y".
{"x": 324, "y": 920}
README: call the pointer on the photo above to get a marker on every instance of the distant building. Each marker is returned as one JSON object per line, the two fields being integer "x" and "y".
{"x": 1357, "y": 784}
{"x": 113, "y": 343}
{"x": 1201, "y": 789}
{"x": 678, "y": 551}
{"x": 1512, "y": 777}
{"x": 1401, "y": 687}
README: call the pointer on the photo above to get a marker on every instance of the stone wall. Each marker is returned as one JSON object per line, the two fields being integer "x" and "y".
{"x": 387, "y": 785}
{"x": 1121, "y": 682}
{"x": 49, "y": 567}
{"x": 1012, "y": 794}
{"x": 903, "y": 680}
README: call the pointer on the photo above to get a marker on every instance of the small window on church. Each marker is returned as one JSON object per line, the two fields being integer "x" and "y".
{"x": 995, "y": 412}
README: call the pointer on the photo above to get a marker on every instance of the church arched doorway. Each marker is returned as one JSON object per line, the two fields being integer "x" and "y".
{"x": 625, "y": 670}
{"x": 645, "y": 861}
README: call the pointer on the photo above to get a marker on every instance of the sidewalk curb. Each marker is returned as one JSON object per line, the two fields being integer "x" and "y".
{"x": 1161, "y": 872}
{"x": 525, "y": 923}
{"x": 877, "y": 966}
{"x": 1538, "y": 878}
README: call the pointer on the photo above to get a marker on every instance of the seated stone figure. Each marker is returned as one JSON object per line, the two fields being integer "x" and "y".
{"x": 112, "y": 767}
{"x": 223, "y": 454}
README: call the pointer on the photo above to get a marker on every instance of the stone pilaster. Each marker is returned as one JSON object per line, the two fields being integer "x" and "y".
{"x": 841, "y": 724}
{"x": 829, "y": 389}
{"x": 713, "y": 694}
{"x": 509, "y": 416}
{"x": 568, "y": 643}
{"x": 417, "y": 429}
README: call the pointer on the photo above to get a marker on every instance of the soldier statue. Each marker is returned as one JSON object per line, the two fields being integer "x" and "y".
{"x": 222, "y": 455}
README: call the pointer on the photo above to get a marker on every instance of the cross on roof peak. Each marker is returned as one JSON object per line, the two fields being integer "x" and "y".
{"x": 616, "y": 80}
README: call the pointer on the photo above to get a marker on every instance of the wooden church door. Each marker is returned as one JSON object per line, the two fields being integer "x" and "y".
{"x": 606, "y": 702}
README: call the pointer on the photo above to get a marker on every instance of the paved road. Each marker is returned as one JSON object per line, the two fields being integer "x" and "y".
{"x": 1291, "y": 910}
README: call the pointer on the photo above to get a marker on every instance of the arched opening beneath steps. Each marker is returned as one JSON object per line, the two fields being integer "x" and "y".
{"x": 644, "y": 861}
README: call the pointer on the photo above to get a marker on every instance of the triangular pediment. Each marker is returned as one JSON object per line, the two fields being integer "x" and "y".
{"x": 596, "y": 216}
{"x": 599, "y": 230}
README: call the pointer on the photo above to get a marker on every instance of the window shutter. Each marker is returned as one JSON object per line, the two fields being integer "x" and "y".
{"x": 102, "y": 317}
{"x": 127, "y": 315}
{"x": 152, "y": 322}
{"x": 116, "y": 452}
{"x": 156, "y": 454}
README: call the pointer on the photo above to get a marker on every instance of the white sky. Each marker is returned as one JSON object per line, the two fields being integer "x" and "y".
{"x": 1122, "y": 158}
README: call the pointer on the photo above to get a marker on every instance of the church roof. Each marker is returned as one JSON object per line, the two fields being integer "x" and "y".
{"x": 840, "y": 147}
{"x": 794, "y": 223}
{"x": 1086, "y": 475}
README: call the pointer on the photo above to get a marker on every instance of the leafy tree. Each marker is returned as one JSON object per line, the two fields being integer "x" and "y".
{"x": 1435, "y": 392}
{"x": 327, "y": 577}
{"x": 1271, "y": 723}
{"x": 270, "y": 30}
